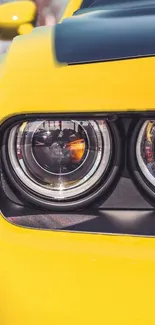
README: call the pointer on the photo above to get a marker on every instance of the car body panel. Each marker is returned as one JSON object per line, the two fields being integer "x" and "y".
{"x": 70, "y": 278}
{"x": 98, "y": 84}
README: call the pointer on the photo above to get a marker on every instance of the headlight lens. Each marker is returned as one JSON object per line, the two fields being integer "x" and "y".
{"x": 145, "y": 150}
{"x": 60, "y": 160}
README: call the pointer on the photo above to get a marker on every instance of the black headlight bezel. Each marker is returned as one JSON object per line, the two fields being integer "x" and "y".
{"x": 125, "y": 208}
{"x": 102, "y": 188}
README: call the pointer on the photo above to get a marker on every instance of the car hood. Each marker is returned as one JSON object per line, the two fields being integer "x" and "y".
{"x": 34, "y": 81}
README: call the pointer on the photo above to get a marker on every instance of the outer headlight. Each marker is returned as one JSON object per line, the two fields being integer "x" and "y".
{"x": 59, "y": 163}
{"x": 145, "y": 150}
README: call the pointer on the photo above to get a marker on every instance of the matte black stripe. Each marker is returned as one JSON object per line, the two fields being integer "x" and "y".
{"x": 106, "y": 35}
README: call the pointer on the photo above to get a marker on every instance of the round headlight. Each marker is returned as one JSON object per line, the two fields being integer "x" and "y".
{"x": 145, "y": 150}
{"x": 59, "y": 161}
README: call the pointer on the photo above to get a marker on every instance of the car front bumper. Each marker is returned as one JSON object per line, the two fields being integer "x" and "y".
{"x": 58, "y": 277}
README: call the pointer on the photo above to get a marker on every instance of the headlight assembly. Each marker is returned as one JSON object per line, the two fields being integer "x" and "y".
{"x": 145, "y": 150}
{"x": 142, "y": 156}
{"x": 60, "y": 163}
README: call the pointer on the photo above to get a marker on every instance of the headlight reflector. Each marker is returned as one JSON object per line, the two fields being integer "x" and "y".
{"x": 60, "y": 160}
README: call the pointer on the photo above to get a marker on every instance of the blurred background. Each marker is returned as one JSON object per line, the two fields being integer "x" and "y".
{"x": 21, "y": 16}
{"x": 50, "y": 11}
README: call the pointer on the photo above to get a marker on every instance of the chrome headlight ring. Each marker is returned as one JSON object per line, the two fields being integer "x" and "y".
{"x": 142, "y": 156}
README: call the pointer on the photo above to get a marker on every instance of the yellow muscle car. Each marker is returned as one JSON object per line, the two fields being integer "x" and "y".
{"x": 77, "y": 187}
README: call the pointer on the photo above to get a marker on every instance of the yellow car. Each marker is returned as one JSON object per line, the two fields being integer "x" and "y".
{"x": 18, "y": 16}
{"x": 77, "y": 130}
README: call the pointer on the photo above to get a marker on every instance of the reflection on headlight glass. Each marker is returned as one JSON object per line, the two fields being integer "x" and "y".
{"x": 60, "y": 159}
{"x": 145, "y": 150}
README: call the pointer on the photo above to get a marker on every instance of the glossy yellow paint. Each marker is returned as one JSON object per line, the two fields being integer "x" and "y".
{"x": 62, "y": 278}
{"x": 17, "y": 13}
{"x": 33, "y": 81}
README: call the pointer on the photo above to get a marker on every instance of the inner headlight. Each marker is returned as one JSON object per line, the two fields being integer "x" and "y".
{"x": 61, "y": 162}
{"x": 145, "y": 150}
